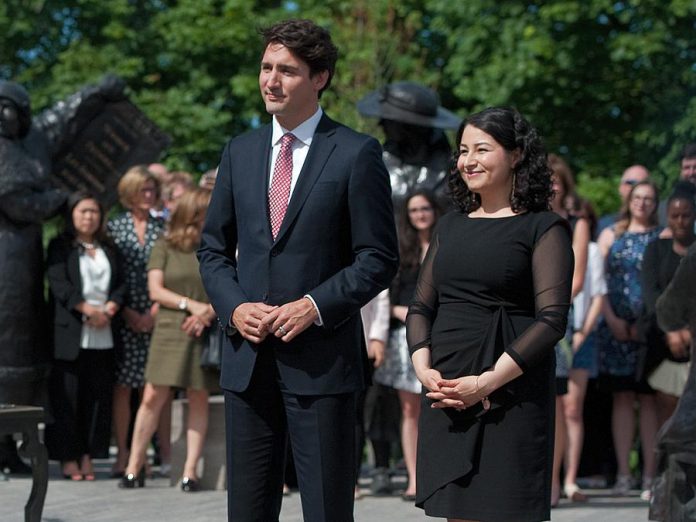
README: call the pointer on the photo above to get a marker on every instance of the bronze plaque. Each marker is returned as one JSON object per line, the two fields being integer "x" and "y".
{"x": 118, "y": 138}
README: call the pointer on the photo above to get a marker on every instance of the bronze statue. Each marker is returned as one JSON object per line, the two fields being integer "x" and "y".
{"x": 416, "y": 151}
{"x": 27, "y": 199}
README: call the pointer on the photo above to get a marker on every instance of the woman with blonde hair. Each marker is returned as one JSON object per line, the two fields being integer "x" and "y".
{"x": 134, "y": 232}
{"x": 174, "y": 360}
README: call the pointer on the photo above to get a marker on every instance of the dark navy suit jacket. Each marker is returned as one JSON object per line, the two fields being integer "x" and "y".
{"x": 337, "y": 243}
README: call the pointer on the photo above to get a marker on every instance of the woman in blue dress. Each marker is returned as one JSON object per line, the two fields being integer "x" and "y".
{"x": 623, "y": 246}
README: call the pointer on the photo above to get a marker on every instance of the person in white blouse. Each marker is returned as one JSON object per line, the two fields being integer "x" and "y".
{"x": 86, "y": 291}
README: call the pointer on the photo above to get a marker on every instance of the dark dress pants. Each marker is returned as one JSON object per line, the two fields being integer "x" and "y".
{"x": 259, "y": 422}
{"x": 81, "y": 397}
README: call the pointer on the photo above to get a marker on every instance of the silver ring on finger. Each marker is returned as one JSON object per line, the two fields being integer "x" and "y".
{"x": 282, "y": 330}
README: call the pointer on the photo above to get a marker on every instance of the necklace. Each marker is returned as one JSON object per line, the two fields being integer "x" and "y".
{"x": 87, "y": 246}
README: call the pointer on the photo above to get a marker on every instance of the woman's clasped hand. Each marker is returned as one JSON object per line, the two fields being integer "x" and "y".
{"x": 459, "y": 393}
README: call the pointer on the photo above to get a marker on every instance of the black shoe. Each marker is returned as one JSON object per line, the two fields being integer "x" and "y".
{"x": 130, "y": 480}
{"x": 189, "y": 485}
{"x": 381, "y": 484}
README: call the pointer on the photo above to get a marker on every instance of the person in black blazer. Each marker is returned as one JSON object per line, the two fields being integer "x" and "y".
{"x": 313, "y": 247}
{"x": 86, "y": 291}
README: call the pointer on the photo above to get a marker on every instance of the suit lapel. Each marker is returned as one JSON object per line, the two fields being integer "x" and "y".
{"x": 73, "y": 263}
{"x": 260, "y": 155}
{"x": 319, "y": 153}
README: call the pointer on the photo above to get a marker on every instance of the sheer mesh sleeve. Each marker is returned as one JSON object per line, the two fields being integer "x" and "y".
{"x": 423, "y": 308}
{"x": 552, "y": 270}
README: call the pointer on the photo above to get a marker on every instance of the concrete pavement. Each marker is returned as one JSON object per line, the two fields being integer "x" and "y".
{"x": 102, "y": 501}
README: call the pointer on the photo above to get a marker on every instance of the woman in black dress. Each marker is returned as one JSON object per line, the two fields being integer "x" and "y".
{"x": 667, "y": 365}
{"x": 491, "y": 302}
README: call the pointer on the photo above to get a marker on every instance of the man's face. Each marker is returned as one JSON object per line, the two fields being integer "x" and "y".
{"x": 630, "y": 178}
{"x": 688, "y": 170}
{"x": 9, "y": 119}
{"x": 287, "y": 88}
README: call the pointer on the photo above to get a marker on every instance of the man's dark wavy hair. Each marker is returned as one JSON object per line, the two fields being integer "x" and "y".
{"x": 309, "y": 42}
{"x": 532, "y": 190}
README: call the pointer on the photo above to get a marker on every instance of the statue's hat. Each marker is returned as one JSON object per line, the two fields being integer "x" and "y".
{"x": 15, "y": 92}
{"x": 408, "y": 102}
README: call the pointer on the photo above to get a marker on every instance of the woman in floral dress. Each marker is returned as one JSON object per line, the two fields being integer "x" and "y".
{"x": 623, "y": 246}
{"x": 134, "y": 233}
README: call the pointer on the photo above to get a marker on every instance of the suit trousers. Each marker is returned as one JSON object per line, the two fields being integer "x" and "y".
{"x": 81, "y": 397}
{"x": 320, "y": 428}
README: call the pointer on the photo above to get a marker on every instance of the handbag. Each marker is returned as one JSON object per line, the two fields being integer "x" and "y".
{"x": 211, "y": 353}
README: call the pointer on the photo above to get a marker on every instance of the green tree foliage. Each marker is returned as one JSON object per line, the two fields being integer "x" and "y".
{"x": 609, "y": 83}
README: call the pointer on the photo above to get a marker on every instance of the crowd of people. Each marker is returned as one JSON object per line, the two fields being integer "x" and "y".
{"x": 512, "y": 303}
{"x": 129, "y": 314}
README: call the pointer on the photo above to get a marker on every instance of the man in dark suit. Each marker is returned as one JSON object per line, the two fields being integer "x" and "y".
{"x": 306, "y": 203}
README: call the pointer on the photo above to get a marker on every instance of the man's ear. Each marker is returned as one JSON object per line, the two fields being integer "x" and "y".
{"x": 319, "y": 80}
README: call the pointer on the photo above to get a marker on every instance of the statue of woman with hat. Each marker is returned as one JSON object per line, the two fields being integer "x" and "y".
{"x": 27, "y": 199}
{"x": 416, "y": 151}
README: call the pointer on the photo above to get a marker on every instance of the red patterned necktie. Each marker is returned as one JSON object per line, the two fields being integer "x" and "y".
{"x": 279, "y": 193}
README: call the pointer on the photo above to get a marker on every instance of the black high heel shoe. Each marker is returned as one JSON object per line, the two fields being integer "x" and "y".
{"x": 130, "y": 480}
{"x": 189, "y": 485}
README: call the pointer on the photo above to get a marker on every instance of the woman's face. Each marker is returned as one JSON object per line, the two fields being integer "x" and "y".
{"x": 680, "y": 219}
{"x": 558, "y": 192}
{"x": 421, "y": 213}
{"x": 484, "y": 164}
{"x": 86, "y": 218}
{"x": 147, "y": 196}
{"x": 642, "y": 202}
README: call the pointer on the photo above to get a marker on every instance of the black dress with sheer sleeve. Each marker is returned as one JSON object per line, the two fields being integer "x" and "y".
{"x": 488, "y": 286}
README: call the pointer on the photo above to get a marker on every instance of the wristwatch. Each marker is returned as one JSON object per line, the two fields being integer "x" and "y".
{"x": 183, "y": 304}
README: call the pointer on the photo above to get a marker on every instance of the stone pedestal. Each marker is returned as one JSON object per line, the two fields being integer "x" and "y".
{"x": 211, "y": 468}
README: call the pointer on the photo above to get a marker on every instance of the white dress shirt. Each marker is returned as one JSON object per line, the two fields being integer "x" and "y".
{"x": 95, "y": 273}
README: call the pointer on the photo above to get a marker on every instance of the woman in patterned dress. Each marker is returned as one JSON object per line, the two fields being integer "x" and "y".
{"x": 134, "y": 233}
{"x": 623, "y": 246}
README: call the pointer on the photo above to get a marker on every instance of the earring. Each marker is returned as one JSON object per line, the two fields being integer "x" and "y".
{"x": 514, "y": 178}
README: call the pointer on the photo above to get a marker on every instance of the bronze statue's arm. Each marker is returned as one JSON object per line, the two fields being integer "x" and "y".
{"x": 29, "y": 206}
{"x": 63, "y": 122}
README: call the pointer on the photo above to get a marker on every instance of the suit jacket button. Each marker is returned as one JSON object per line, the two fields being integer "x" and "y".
{"x": 274, "y": 252}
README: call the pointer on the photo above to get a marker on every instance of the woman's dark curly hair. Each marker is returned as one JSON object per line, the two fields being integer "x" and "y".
{"x": 409, "y": 243}
{"x": 532, "y": 190}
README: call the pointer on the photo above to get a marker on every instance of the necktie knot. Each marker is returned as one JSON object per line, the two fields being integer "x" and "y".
{"x": 286, "y": 140}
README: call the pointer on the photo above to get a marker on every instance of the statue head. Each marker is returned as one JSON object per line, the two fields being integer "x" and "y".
{"x": 409, "y": 103}
{"x": 15, "y": 110}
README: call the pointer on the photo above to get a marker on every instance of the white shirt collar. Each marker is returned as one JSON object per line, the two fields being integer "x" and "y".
{"x": 303, "y": 132}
